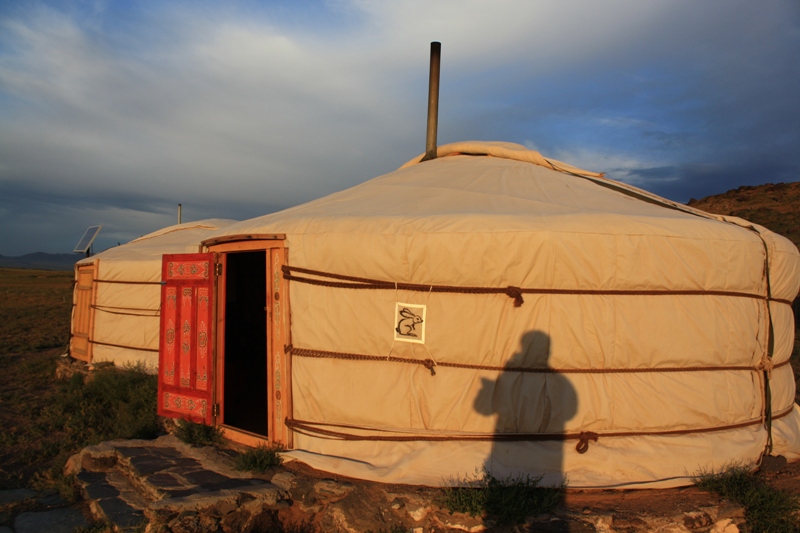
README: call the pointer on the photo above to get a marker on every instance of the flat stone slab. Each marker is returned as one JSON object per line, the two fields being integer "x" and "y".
{"x": 233, "y": 484}
{"x": 193, "y": 503}
{"x": 98, "y": 491}
{"x": 133, "y": 451}
{"x": 205, "y": 477}
{"x": 85, "y": 476}
{"x": 52, "y": 499}
{"x": 55, "y": 521}
{"x": 164, "y": 480}
{"x": 266, "y": 494}
{"x": 145, "y": 465}
{"x": 180, "y": 493}
{"x": 127, "y": 492}
{"x": 188, "y": 463}
{"x": 119, "y": 513}
{"x": 16, "y": 495}
{"x": 167, "y": 451}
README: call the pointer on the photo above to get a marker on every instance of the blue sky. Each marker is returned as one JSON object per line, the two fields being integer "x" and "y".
{"x": 114, "y": 112}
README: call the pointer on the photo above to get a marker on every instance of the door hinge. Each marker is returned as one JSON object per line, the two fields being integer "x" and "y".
{"x": 218, "y": 269}
{"x": 215, "y": 410}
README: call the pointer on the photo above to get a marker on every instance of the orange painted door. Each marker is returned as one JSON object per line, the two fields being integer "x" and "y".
{"x": 185, "y": 366}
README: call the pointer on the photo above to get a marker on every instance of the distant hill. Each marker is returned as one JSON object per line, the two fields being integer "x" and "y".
{"x": 42, "y": 261}
{"x": 774, "y": 205}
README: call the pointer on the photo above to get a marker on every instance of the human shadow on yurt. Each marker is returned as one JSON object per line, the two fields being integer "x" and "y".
{"x": 524, "y": 473}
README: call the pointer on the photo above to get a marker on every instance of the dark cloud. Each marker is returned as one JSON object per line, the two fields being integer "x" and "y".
{"x": 116, "y": 113}
{"x": 35, "y": 220}
{"x": 680, "y": 183}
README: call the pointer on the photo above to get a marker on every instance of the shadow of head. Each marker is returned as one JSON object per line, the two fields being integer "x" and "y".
{"x": 523, "y": 399}
{"x": 534, "y": 352}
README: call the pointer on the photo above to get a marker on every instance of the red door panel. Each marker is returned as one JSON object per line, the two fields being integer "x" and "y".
{"x": 184, "y": 357}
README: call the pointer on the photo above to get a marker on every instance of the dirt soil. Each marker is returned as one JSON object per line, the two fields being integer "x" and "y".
{"x": 580, "y": 510}
{"x": 35, "y": 307}
{"x": 27, "y": 384}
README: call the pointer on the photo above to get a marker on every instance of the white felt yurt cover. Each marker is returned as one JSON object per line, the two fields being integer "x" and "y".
{"x": 128, "y": 291}
{"x": 644, "y": 335}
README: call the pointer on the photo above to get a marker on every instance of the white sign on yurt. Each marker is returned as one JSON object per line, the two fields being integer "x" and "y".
{"x": 409, "y": 322}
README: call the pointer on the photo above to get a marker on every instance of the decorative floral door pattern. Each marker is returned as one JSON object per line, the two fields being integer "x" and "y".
{"x": 184, "y": 358}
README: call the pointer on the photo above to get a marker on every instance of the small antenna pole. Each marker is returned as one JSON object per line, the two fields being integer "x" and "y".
{"x": 179, "y": 213}
{"x": 433, "y": 101}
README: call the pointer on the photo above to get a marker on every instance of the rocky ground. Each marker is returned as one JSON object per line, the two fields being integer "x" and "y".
{"x": 774, "y": 205}
{"x": 168, "y": 486}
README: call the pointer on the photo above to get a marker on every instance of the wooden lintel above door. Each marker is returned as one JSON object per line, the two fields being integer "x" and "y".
{"x": 244, "y": 238}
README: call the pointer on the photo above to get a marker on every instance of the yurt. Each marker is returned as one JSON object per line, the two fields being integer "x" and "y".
{"x": 116, "y": 296}
{"x": 489, "y": 309}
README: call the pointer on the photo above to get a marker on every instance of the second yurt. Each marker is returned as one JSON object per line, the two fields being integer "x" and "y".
{"x": 116, "y": 298}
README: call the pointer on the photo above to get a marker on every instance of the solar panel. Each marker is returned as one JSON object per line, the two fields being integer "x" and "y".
{"x": 86, "y": 240}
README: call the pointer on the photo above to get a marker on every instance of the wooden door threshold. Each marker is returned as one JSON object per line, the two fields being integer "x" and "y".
{"x": 242, "y": 436}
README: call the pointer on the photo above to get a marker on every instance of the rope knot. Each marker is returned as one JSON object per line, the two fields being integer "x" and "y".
{"x": 287, "y": 348}
{"x": 766, "y": 365}
{"x": 429, "y": 364}
{"x": 516, "y": 293}
{"x": 583, "y": 443}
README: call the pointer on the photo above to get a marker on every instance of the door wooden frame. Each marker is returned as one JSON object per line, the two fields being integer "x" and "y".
{"x": 279, "y": 394}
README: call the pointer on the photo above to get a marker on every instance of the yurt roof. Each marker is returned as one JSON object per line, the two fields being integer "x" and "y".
{"x": 481, "y": 187}
{"x": 140, "y": 259}
{"x": 482, "y": 198}
{"x": 178, "y": 238}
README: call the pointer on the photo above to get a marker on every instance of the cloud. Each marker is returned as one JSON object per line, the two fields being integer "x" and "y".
{"x": 217, "y": 112}
{"x": 247, "y": 108}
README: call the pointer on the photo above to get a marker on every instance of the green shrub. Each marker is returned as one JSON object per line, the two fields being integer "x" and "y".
{"x": 767, "y": 510}
{"x": 508, "y": 501}
{"x": 35, "y": 370}
{"x": 54, "y": 478}
{"x": 260, "y": 458}
{"x": 112, "y": 404}
{"x": 199, "y": 434}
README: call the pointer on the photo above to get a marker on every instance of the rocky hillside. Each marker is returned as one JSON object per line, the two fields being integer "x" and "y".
{"x": 773, "y": 205}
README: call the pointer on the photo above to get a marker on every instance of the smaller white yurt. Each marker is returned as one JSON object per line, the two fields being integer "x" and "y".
{"x": 116, "y": 299}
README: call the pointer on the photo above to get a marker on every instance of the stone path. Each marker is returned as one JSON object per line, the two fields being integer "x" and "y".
{"x": 130, "y": 483}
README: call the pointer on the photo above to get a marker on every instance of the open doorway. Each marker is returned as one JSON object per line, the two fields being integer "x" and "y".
{"x": 245, "y": 360}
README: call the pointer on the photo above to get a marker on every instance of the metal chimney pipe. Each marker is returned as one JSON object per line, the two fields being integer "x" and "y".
{"x": 433, "y": 101}
{"x": 179, "y": 213}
